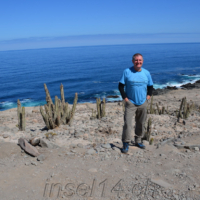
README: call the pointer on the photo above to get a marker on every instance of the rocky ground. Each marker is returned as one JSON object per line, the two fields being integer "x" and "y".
{"x": 84, "y": 161}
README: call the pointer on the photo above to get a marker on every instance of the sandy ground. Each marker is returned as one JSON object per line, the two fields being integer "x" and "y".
{"x": 84, "y": 161}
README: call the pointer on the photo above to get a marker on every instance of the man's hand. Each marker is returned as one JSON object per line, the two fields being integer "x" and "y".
{"x": 126, "y": 99}
{"x": 148, "y": 97}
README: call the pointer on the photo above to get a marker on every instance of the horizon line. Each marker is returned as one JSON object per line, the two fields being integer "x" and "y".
{"x": 102, "y": 45}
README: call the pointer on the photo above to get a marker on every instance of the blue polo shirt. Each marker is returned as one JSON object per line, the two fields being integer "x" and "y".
{"x": 136, "y": 84}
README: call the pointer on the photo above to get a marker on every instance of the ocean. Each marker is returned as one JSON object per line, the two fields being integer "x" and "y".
{"x": 91, "y": 71}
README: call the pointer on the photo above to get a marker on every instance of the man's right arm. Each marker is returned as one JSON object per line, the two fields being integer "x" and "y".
{"x": 122, "y": 92}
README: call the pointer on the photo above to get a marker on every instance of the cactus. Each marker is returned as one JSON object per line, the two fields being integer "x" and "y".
{"x": 180, "y": 110}
{"x": 23, "y": 119}
{"x": 148, "y": 132}
{"x": 185, "y": 109}
{"x": 151, "y": 106}
{"x": 62, "y": 94}
{"x": 48, "y": 97}
{"x": 71, "y": 115}
{"x": 19, "y": 110}
{"x": 151, "y": 141}
{"x": 159, "y": 111}
{"x": 163, "y": 110}
{"x": 45, "y": 118}
{"x": 177, "y": 113}
{"x": 98, "y": 102}
{"x": 21, "y": 116}
{"x": 149, "y": 129}
{"x": 58, "y": 113}
{"x": 101, "y": 106}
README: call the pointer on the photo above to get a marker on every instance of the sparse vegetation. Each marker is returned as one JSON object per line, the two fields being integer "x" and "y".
{"x": 21, "y": 116}
{"x": 58, "y": 113}
{"x": 101, "y": 106}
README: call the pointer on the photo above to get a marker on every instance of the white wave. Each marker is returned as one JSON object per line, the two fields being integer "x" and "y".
{"x": 114, "y": 99}
{"x": 116, "y": 91}
{"x": 191, "y": 76}
{"x": 26, "y": 100}
{"x": 173, "y": 83}
{"x": 6, "y": 103}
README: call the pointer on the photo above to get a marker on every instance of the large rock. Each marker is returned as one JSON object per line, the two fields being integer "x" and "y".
{"x": 188, "y": 86}
{"x": 35, "y": 141}
{"x": 191, "y": 85}
{"x": 106, "y": 146}
{"x": 46, "y": 144}
{"x": 113, "y": 96}
{"x": 28, "y": 148}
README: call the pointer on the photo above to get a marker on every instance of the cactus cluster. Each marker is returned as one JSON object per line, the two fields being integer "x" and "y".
{"x": 58, "y": 113}
{"x": 156, "y": 110}
{"x": 21, "y": 116}
{"x": 185, "y": 109}
{"x": 101, "y": 107}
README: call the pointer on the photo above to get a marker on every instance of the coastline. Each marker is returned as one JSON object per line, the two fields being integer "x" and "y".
{"x": 117, "y": 98}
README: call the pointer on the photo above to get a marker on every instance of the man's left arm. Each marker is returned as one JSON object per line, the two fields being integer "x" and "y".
{"x": 149, "y": 91}
{"x": 149, "y": 87}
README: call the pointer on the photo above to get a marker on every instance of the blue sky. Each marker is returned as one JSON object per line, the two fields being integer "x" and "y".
{"x": 27, "y": 24}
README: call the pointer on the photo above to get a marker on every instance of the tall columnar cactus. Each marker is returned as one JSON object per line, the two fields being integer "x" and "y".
{"x": 159, "y": 111}
{"x": 62, "y": 93}
{"x": 185, "y": 109}
{"x": 163, "y": 110}
{"x": 151, "y": 106}
{"x": 101, "y": 108}
{"x": 48, "y": 97}
{"x": 180, "y": 109}
{"x": 148, "y": 131}
{"x": 59, "y": 112}
{"x": 19, "y": 111}
{"x": 21, "y": 116}
{"x": 167, "y": 110}
{"x": 98, "y": 103}
{"x": 71, "y": 115}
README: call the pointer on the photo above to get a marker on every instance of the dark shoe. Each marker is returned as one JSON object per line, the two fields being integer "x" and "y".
{"x": 140, "y": 145}
{"x": 125, "y": 147}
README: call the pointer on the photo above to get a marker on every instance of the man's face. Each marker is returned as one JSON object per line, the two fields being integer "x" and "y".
{"x": 138, "y": 61}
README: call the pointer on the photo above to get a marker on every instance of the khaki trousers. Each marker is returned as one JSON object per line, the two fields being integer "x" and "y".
{"x": 140, "y": 119}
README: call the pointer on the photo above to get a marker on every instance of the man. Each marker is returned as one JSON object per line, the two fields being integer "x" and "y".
{"x": 139, "y": 87}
